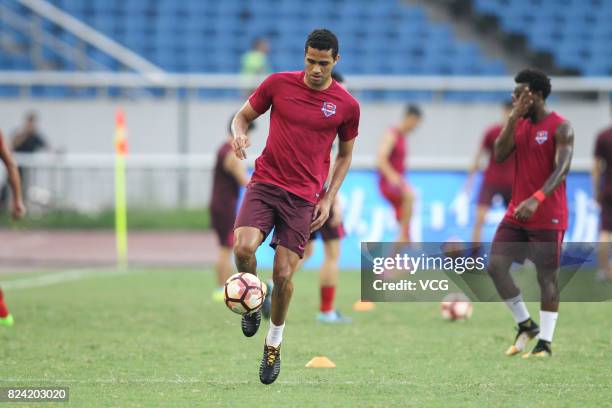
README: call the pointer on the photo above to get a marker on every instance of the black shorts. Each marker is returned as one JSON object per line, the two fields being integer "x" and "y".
{"x": 222, "y": 221}
{"x": 606, "y": 214}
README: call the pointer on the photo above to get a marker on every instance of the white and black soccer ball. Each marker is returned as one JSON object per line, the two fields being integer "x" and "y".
{"x": 244, "y": 293}
{"x": 456, "y": 306}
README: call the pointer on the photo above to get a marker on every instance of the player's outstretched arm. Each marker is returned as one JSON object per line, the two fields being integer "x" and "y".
{"x": 564, "y": 141}
{"x": 341, "y": 167}
{"x": 14, "y": 180}
{"x": 382, "y": 159}
{"x": 504, "y": 144}
{"x": 240, "y": 126}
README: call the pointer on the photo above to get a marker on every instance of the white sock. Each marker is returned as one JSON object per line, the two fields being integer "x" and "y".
{"x": 548, "y": 321}
{"x": 518, "y": 308}
{"x": 275, "y": 334}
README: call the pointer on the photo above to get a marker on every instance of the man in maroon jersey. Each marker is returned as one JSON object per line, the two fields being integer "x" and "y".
{"x": 18, "y": 211}
{"x": 331, "y": 233}
{"x": 543, "y": 143}
{"x": 390, "y": 162}
{"x": 497, "y": 177}
{"x": 229, "y": 175}
{"x": 602, "y": 189}
{"x": 308, "y": 110}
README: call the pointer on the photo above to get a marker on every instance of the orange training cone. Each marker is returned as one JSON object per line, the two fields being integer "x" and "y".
{"x": 320, "y": 362}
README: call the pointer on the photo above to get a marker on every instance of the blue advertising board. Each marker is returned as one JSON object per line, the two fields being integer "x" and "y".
{"x": 443, "y": 210}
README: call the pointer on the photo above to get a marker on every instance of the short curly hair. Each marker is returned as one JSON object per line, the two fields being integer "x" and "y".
{"x": 537, "y": 80}
{"x": 322, "y": 39}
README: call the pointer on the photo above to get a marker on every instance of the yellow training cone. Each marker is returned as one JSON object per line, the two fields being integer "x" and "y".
{"x": 360, "y": 306}
{"x": 320, "y": 362}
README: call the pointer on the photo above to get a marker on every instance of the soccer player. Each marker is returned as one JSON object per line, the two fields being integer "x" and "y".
{"x": 497, "y": 177}
{"x": 602, "y": 189}
{"x": 542, "y": 142}
{"x": 390, "y": 162}
{"x": 308, "y": 110}
{"x": 229, "y": 175}
{"x": 331, "y": 233}
{"x": 18, "y": 211}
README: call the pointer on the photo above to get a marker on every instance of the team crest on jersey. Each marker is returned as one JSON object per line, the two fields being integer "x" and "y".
{"x": 541, "y": 136}
{"x": 328, "y": 109}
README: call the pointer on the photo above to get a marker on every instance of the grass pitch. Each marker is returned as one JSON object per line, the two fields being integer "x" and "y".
{"x": 155, "y": 338}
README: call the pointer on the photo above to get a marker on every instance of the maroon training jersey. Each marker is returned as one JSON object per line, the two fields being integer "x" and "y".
{"x": 303, "y": 125}
{"x": 397, "y": 157}
{"x": 534, "y": 163}
{"x": 225, "y": 186}
{"x": 499, "y": 174}
{"x": 603, "y": 150}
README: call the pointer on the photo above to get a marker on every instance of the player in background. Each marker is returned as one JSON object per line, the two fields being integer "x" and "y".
{"x": 331, "y": 233}
{"x": 537, "y": 215}
{"x": 391, "y": 159}
{"x": 18, "y": 211}
{"x": 308, "y": 110}
{"x": 229, "y": 175}
{"x": 602, "y": 189}
{"x": 497, "y": 178}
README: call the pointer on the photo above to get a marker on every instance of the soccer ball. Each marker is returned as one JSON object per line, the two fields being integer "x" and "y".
{"x": 456, "y": 306}
{"x": 244, "y": 293}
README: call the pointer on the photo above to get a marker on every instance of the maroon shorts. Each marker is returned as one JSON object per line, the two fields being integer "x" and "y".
{"x": 222, "y": 221}
{"x": 395, "y": 196}
{"x": 489, "y": 190}
{"x": 266, "y": 206}
{"x": 543, "y": 247}
{"x": 329, "y": 231}
{"x": 606, "y": 214}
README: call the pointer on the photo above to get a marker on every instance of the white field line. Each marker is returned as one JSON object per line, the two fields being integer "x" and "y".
{"x": 61, "y": 277}
{"x": 195, "y": 381}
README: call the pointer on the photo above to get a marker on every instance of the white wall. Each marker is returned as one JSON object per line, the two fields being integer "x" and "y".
{"x": 448, "y": 130}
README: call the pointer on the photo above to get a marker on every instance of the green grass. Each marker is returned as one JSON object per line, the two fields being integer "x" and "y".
{"x": 155, "y": 338}
{"x": 138, "y": 219}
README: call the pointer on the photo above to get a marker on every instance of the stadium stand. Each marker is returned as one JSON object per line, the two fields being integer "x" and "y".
{"x": 576, "y": 33}
{"x": 210, "y": 36}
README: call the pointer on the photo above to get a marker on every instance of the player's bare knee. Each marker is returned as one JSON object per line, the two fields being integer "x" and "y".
{"x": 243, "y": 250}
{"x": 281, "y": 276}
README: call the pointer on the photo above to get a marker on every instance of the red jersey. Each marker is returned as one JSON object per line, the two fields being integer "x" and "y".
{"x": 499, "y": 174}
{"x": 303, "y": 125}
{"x": 535, "y": 150}
{"x": 603, "y": 151}
{"x": 225, "y": 186}
{"x": 397, "y": 158}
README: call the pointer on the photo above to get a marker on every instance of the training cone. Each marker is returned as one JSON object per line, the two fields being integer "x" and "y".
{"x": 360, "y": 306}
{"x": 320, "y": 362}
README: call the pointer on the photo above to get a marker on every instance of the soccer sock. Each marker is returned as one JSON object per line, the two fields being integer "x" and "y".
{"x": 327, "y": 298}
{"x": 518, "y": 308}
{"x": 275, "y": 334}
{"x": 3, "y": 310}
{"x": 548, "y": 321}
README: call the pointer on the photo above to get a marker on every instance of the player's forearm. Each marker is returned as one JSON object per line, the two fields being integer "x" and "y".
{"x": 387, "y": 171}
{"x": 341, "y": 167}
{"x": 562, "y": 167}
{"x": 14, "y": 180}
{"x": 504, "y": 145}
{"x": 240, "y": 125}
